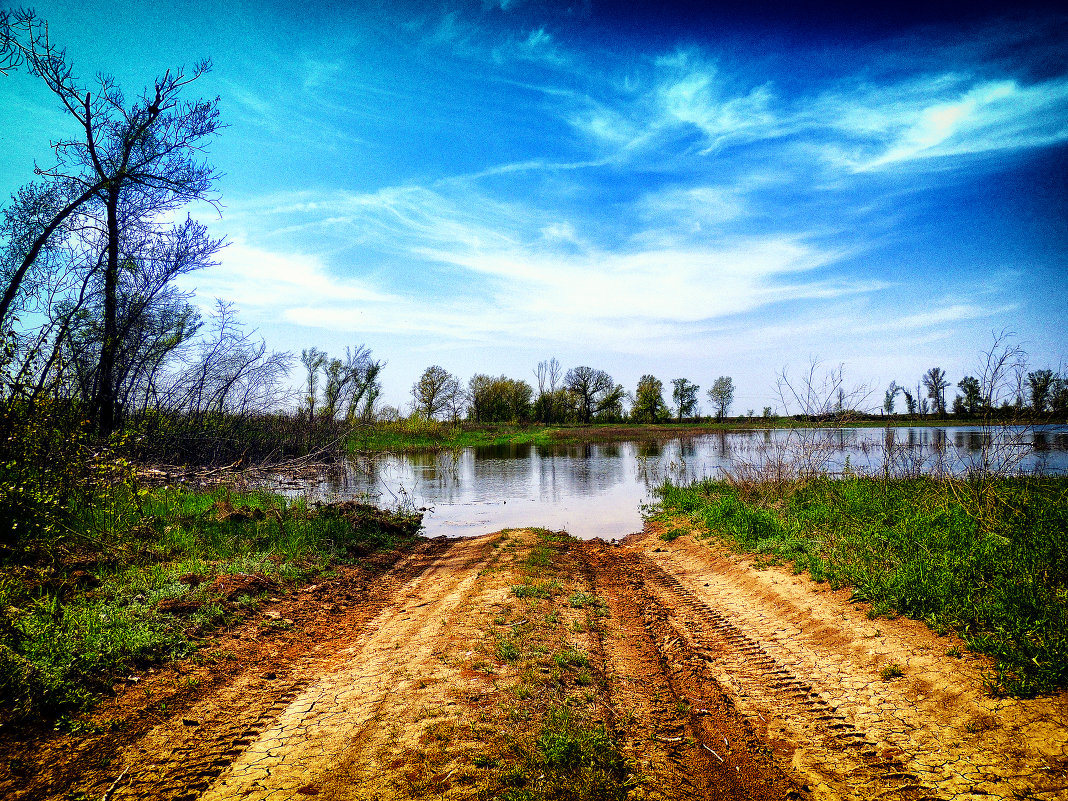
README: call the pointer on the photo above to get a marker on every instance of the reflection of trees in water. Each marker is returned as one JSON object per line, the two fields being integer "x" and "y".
{"x": 582, "y": 470}
{"x": 553, "y": 474}
{"x": 649, "y": 450}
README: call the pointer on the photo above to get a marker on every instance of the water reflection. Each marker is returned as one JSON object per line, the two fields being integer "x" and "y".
{"x": 597, "y": 489}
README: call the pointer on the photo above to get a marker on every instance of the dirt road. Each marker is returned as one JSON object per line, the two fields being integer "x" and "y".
{"x": 526, "y": 665}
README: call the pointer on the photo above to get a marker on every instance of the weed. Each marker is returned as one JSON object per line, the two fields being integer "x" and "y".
{"x": 891, "y": 671}
{"x": 672, "y": 533}
{"x": 578, "y": 758}
{"x": 542, "y": 589}
{"x": 506, "y": 650}
{"x": 571, "y": 658}
{"x": 539, "y": 557}
{"x": 580, "y": 600}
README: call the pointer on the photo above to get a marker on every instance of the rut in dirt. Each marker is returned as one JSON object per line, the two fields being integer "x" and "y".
{"x": 739, "y": 699}
{"x": 676, "y": 721}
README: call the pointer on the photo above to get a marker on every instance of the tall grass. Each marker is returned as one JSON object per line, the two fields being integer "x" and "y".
{"x": 914, "y": 547}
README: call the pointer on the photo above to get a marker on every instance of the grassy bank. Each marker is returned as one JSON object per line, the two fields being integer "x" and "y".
{"x": 140, "y": 575}
{"x": 415, "y": 435}
{"x": 428, "y": 435}
{"x": 918, "y": 548}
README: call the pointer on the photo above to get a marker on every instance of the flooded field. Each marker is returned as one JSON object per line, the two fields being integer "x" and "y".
{"x": 598, "y": 490}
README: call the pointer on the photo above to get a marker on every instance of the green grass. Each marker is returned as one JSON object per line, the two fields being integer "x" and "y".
{"x": 918, "y": 548}
{"x": 414, "y": 434}
{"x": 546, "y": 738}
{"x": 72, "y": 623}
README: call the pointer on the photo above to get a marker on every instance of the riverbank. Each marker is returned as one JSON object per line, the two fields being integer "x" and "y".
{"x": 428, "y": 435}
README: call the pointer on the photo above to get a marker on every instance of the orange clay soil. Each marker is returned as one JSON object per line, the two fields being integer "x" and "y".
{"x": 713, "y": 679}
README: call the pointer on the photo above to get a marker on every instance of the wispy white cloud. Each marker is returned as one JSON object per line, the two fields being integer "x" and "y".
{"x": 531, "y": 274}
{"x": 942, "y": 116}
{"x": 941, "y": 316}
{"x": 259, "y": 279}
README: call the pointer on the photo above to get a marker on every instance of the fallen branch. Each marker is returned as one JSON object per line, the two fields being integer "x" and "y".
{"x": 111, "y": 790}
{"x": 713, "y": 753}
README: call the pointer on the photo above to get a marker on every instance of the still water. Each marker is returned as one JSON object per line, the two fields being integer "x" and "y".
{"x": 598, "y": 490}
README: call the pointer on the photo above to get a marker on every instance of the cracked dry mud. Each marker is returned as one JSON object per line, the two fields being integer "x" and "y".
{"x": 717, "y": 681}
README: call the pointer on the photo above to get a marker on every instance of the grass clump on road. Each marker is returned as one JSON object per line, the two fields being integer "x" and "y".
{"x": 916, "y": 547}
{"x": 546, "y": 736}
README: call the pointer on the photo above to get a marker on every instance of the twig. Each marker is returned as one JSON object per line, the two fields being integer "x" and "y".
{"x": 114, "y": 784}
{"x": 713, "y": 753}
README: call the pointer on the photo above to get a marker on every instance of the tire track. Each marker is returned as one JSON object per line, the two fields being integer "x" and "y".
{"x": 676, "y": 722}
{"x": 932, "y": 716}
{"x": 343, "y": 715}
{"x": 836, "y": 758}
{"x": 181, "y": 758}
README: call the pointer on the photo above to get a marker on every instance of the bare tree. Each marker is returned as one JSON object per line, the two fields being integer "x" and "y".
{"x": 229, "y": 371}
{"x": 820, "y": 391}
{"x": 130, "y": 165}
{"x": 548, "y": 406}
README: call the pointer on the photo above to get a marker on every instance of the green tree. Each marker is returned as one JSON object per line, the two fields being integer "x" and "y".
{"x": 1039, "y": 386}
{"x": 594, "y": 393}
{"x": 499, "y": 400}
{"x": 684, "y": 396}
{"x": 1058, "y": 400}
{"x": 649, "y": 405}
{"x": 437, "y": 390}
{"x": 313, "y": 360}
{"x": 934, "y": 381}
{"x": 890, "y": 397}
{"x": 910, "y": 401}
{"x": 722, "y": 395}
{"x": 971, "y": 397}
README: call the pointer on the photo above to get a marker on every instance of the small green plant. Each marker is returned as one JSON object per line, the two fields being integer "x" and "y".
{"x": 571, "y": 658}
{"x": 891, "y": 671}
{"x": 541, "y": 589}
{"x": 507, "y": 650}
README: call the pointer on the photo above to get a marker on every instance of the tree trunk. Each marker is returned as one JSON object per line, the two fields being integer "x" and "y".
{"x": 107, "y": 418}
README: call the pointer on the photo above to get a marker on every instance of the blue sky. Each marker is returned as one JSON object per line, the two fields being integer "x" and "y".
{"x": 683, "y": 190}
